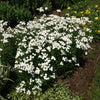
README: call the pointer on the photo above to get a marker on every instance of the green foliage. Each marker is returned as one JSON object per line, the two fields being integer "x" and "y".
{"x": 22, "y": 14}
{"x": 59, "y": 3}
{"x": 63, "y": 3}
{"x": 57, "y": 92}
{"x": 32, "y": 5}
{"x": 4, "y": 78}
{"x": 95, "y": 87}
{"x": 7, "y": 12}
{"x": 84, "y": 9}
{"x": 8, "y": 53}
{"x": 13, "y": 14}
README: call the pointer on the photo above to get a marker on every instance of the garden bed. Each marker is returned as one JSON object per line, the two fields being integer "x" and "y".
{"x": 49, "y": 49}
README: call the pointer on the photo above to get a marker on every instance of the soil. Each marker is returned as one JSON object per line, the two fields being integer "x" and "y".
{"x": 82, "y": 77}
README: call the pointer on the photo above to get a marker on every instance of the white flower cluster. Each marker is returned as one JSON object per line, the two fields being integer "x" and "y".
{"x": 5, "y": 34}
{"x": 44, "y": 44}
{"x": 41, "y": 9}
{"x": 41, "y": 41}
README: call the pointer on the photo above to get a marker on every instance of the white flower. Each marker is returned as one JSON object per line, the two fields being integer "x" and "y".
{"x": 51, "y": 68}
{"x": 64, "y": 58}
{"x": 86, "y": 53}
{"x": 37, "y": 71}
{"x": 69, "y": 61}
{"x": 74, "y": 59}
{"x": 77, "y": 64}
{"x": 61, "y": 63}
{"x": 53, "y": 58}
{"x": 28, "y": 92}
{"x": 46, "y": 8}
{"x": 18, "y": 89}
{"x": 40, "y": 9}
{"x": 49, "y": 48}
{"x": 20, "y": 71}
{"x": 58, "y": 10}
{"x": 45, "y": 77}
{"x": 0, "y": 49}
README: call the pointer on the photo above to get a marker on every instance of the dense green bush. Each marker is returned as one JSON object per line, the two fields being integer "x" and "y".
{"x": 63, "y": 3}
{"x": 13, "y": 14}
{"x": 32, "y": 5}
{"x": 7, "y": 13}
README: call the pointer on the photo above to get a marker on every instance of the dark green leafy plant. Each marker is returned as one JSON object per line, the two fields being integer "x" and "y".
{"x": 4, "y": 74}
{"x": 13, "y": 14}
{"x": 7, "y": 13}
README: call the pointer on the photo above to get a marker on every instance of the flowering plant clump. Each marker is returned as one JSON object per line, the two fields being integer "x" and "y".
{"x": 47, "y": 45}
{"x": 5, "y": 34}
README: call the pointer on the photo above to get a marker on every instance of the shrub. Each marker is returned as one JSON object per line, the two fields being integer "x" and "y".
{"x": 22, "y": 14}
{"x": 13, "y": 14}
{"x": 32, "y": 5}
{"x": 47, "y": 47}
{"x": 7, "y": 13}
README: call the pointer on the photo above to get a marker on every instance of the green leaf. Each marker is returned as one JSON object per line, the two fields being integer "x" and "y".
{"x": 7, "y": 79}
